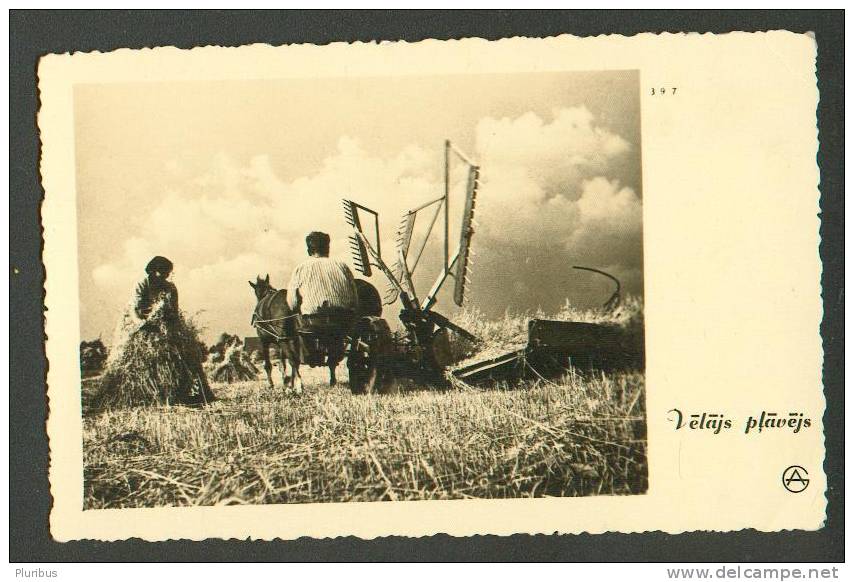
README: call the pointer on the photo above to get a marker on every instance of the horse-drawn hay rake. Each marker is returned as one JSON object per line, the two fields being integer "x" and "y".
{"x": 421, "y": 351}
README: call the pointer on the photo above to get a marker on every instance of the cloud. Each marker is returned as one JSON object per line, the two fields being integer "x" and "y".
{"x": 547, "y": 201}
{"x": 554, "y": 154}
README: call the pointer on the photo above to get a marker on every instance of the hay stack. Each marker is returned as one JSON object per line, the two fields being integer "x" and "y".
{"x": 229, "y": 363}
{"x": 154, "y": 361}
{"x": 93, "y": 356}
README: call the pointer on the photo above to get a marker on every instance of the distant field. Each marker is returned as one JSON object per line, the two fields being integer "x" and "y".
{"x": 580, "y": 435}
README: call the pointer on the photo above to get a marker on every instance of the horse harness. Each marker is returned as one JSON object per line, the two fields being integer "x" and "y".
{"x": 267, "y": 325}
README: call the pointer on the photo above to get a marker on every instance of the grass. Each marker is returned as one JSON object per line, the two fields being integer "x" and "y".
{"x": 582, "y": 434}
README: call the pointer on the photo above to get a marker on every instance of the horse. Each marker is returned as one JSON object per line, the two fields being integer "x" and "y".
{"x": 275, "y": 323}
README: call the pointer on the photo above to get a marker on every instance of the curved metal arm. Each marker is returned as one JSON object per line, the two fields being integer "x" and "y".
{"x": 614, "y": 300}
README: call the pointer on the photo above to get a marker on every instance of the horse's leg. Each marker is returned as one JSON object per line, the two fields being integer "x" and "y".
{"x": 294, "y": 358}
{"x": 268, "y": 367}
{"x": 282, "y": 358}
{"x": 335, "y": 353}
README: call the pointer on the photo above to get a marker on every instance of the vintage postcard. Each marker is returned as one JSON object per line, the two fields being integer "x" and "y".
{"x": 466, "y": 287}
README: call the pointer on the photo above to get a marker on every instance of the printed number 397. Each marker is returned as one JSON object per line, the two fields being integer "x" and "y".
{"x": 663, "y": 91}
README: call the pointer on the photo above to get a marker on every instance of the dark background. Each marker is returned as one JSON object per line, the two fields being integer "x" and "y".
{"x": 35, "y": 33}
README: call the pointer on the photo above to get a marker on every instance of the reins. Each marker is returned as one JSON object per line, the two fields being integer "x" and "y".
{"x": 256, "y": 320}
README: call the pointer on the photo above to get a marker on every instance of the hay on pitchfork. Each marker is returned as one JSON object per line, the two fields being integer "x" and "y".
{"x": 229, "y": 363}
{"x": 154, "y": 361}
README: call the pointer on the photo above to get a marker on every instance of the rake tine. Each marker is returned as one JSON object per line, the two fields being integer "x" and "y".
{"x": 466, "y": 232}
{"x": 404, "y": 232}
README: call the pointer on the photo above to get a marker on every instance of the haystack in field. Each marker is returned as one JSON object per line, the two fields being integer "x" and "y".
{"x": 216, "y": 352}
{"x": 93, "y": 356}
{"x": 156, "y": 360}
{"x": 229, "y": 363}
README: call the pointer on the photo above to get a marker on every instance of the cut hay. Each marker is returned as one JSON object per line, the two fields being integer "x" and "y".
{"x": 578, "y": 436}
{"x": 155, "y": 361}
{"x": 229, "y": 363}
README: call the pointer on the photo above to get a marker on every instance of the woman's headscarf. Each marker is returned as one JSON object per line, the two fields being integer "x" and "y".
{"x": 158, "y": 263}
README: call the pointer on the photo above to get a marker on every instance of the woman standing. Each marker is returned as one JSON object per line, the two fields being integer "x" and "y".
{"x": 157, "y": 357}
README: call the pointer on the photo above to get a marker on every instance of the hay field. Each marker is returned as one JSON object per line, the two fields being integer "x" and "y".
{"x": 579, "y": 435}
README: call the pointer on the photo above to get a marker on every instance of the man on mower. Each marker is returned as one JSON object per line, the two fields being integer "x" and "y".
{"x": 323, "y": 291}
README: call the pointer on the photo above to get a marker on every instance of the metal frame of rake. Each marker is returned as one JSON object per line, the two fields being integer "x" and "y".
{"x": 367, "y": 254}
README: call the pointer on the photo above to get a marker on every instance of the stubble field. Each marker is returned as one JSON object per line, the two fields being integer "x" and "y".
{"x": 583, "y": 434}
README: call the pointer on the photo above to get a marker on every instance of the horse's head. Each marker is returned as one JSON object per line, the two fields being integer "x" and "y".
{"x": 261, "y": 286}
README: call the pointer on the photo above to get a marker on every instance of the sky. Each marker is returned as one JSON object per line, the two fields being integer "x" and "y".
{"x": 226, "y": 179}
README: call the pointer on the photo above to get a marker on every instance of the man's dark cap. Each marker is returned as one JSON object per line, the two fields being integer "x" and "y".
{"x": 159, "y": 263}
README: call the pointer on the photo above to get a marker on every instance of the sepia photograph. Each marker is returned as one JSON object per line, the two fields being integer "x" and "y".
{"x": 398, "y": 288}
{"x": 467, "y": 287}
